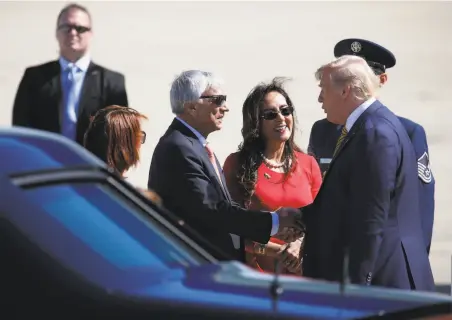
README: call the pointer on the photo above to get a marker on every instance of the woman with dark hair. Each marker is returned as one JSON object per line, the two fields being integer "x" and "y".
{"x": 270, "y": 171}
{"x": 115, "y": 136}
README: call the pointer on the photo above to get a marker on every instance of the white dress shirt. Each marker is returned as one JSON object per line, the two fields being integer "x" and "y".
{"x": 358, "y": 112}
{"x": 81, "y": 68}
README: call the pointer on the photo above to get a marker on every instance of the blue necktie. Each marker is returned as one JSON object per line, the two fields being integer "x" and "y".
{"x": 69, "y": 119}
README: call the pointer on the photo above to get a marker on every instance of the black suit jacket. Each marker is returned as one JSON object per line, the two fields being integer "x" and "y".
{"x": 368, "y": 203}
{"x": 38, "y": 101}
{"x": 183, "y": 176}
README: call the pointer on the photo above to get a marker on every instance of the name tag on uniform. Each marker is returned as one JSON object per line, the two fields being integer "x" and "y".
{"x": 325, "y": 160}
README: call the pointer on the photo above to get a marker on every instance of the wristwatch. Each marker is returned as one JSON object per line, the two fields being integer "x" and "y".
{"x": 259, "y": 248}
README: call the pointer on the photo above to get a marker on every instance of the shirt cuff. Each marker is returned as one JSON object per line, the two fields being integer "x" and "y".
{"x": 275, "y": 223}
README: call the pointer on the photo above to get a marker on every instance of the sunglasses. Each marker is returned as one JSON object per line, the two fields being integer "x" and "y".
{"x": 272, "y": 114}
{"x": 69, "y": 27}
{"x": 217, "y": 99}
{"x": 143, "y": 137}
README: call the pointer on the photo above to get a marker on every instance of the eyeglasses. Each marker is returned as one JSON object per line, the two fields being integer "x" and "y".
{"x": 217, "y": 99}
{"x": 272, "y": 114}
{"x": 69, "y": 27}
{"x": 143, "y": 137}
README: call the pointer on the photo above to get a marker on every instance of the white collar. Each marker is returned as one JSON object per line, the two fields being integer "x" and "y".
{"x": 358, "y": 112}
{"x": 82, "y": 63}
{"x": 196, "y": 132}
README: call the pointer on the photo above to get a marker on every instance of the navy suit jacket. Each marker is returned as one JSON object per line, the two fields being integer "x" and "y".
{"x": 322, "y": 142}
{"x": 184, "y": 178}
{"x": 368, "y": 205}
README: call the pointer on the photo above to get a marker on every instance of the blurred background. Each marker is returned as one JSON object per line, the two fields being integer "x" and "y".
{"x": 248, "y": 42}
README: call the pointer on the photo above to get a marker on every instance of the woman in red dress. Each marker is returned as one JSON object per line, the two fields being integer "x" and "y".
{"x": 270, "y": 171}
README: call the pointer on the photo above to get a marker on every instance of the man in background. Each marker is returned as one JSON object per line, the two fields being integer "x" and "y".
{"x": 61, "y": 95}
{"x": 325, "y": 134}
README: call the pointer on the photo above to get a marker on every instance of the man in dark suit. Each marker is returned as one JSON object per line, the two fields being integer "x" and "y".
{"x": 324, "y": 134}
{"x": 188, "y": 177}
{"x": 60, "y": 96}
{"x": 366, "y": 209}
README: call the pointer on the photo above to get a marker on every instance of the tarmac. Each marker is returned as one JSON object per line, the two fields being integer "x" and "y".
{"x": 249, "y": 42}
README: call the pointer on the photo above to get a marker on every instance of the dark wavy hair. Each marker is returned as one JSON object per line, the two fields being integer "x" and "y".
{"x": 249, "y": 155}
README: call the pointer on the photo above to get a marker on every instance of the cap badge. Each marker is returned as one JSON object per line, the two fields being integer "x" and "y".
{"x": 355, "y": 46}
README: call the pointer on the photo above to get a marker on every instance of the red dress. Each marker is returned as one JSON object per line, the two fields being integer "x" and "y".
{"x": 272, "y": 192}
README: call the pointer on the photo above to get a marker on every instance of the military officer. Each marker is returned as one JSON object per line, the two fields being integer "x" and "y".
{"x": 324, "y": 134}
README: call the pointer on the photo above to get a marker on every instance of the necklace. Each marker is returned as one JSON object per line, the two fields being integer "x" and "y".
{"x": 271, "y": 165}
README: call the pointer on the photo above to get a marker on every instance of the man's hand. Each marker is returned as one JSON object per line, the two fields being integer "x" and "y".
{"x": 289, "y": 254}
{"x": 290, "y": 224}
{"x": 294, "y": 252}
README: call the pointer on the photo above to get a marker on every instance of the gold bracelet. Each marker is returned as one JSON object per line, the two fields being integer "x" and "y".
{"x": 259, "y": 248}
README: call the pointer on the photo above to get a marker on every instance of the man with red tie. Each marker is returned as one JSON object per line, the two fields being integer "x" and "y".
{"x": 186, "y": 174}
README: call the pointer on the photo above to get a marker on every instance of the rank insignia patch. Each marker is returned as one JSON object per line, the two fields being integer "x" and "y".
{"x": 423, "y": 168}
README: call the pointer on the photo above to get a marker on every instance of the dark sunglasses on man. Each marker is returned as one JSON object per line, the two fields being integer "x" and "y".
{"x": 69, "y": 27}
{"x": 217, "y": 99}
{"x": 272, "y": 114}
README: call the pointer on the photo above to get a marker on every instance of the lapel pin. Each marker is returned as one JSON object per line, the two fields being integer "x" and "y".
{"x": 266, "y": 175}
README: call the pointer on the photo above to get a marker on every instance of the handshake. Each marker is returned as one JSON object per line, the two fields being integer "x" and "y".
{"x": 291, "y": 226}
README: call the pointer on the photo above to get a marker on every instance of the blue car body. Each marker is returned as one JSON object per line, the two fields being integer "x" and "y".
{"x": 65, "y": 201}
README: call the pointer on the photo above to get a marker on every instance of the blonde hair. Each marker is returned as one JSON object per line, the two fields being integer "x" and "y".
{"x": 353, "y": 71}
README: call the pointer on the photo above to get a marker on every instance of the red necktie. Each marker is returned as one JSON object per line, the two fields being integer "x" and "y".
{"x": 212, "y": 159}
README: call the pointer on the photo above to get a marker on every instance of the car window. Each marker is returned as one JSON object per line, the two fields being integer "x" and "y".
{"x": 93, "y": 229}
{"x": 45, "y": 154}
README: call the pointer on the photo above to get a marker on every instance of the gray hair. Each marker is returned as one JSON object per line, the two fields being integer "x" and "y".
{"x": 189, "y": 86}
{"x": 355, "y": 72}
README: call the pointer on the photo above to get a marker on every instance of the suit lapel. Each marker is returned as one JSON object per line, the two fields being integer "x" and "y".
{"x": 223, "y": 180}
{"x": 55, "y": 81}
{"x": 54, "y": 91}
{"x": 357, "y": 126}
{"x": 213, "y": 174}
{"x": 90, "y": 88}
{"x": 199, "y": 149}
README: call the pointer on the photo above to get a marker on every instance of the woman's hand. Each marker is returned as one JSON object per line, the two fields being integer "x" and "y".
{"x": 291, "y": 256}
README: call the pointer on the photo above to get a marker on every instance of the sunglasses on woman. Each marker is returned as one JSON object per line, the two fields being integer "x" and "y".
{"x": 271, "y": 114}
{"x": 217, "y": 99}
